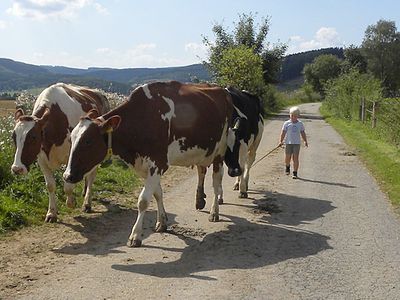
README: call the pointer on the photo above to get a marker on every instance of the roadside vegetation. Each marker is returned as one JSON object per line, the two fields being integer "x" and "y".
{"x": 360, "y": 99}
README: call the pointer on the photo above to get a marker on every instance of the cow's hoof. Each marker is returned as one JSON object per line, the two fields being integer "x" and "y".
{"x": 236, "y": 187}
{"x": 161, "y": 227}
{"x": 220, "y": 201}
{"x": 243, "y": 195}
{"x": 134, "y": 243}
{"x": 70, "y": 203}
{"x": 200, "y": 203}
{"x": 50, "y": 218}
{"x": 213, "y": 218}
{"x": 87, "y": 208}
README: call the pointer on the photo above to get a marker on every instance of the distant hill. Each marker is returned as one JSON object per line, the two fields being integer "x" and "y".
{"x": 293, "y": 64}
{"x": 16, "y": 76}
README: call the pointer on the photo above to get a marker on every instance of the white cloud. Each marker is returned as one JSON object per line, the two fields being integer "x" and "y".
{"x": 325, "y": 37}
{"x": 196, "y": 50}
{"x": 45, "y": 9}
{"x": 3, "y": 25}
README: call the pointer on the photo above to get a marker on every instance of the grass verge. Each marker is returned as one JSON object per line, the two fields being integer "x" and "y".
{"x": 24, "y": 200}
{"x": 380, "y": 157}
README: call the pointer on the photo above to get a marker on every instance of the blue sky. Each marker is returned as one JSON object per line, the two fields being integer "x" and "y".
{"x": 157, "y": 33}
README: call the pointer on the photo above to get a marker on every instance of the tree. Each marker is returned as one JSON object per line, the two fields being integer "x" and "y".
{"x": 381, "y": 47}
{"x": 323, "y": 68}
{"x": 354, "y": 59}
{"x": 245, "y": 34}
{"x": 241, "y": 68}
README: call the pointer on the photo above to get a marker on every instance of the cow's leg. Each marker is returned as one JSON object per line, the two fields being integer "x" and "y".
{"x": 246, "y": 174}
{"x": 151, "y": 184}
{"x": 237, "y": 183}
{"x": 243, "y": 157}
{"x": 218, "y": 172}
{"x": 89, "y": 179}
{"x": 200, "y": 195}
{"x": 161, "y": 224}
{"x": 69, "y": 192}
{"x": 51, "y": 215}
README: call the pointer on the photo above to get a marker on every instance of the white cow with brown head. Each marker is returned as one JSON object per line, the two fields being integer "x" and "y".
{"x": 45, "y": 136}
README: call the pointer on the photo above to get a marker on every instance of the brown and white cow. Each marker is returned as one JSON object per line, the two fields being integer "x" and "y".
{"x": 45, "y": 136}
{"x": 161, "y": 124}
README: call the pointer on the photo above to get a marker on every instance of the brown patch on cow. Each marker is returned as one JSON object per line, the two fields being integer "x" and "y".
{"x": 56, "y": 130}
{"x": 26, "y": 118}
{"x": 32, "y": 145}
{"x": 144, "y": 133}
{"x": 100, "y": 100}
{"x": 88, "y": 99}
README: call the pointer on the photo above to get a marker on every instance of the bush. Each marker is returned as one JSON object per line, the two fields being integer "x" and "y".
{"x": 344, "y": 94}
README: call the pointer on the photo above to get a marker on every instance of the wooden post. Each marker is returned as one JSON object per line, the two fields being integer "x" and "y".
{"x": 374, "y": 106}
{"x": 363, "y": 109}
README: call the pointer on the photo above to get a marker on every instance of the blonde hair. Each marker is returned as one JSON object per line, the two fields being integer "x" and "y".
{"x": 294, "y": 111}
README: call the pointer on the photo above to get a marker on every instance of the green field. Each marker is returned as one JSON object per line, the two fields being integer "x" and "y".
{"x": 7, "y": 107}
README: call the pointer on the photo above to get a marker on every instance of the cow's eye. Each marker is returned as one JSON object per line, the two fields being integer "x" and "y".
{"x": 88, "y": 142}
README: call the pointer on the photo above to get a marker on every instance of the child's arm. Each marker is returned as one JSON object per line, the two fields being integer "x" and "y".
{"x": 304, "y": 136}
{"x": 283, "y": 133}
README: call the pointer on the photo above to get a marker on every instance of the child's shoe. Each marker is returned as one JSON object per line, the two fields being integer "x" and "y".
{"x": 287, "y": 170}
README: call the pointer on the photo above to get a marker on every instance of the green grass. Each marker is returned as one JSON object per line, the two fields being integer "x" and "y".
{"x": 24, "y": 201}
{"x": 380, "y": 157}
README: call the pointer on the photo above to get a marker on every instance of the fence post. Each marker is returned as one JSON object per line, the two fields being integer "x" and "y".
{"x": 362, "y": 113}
{"x": 374, "y": 107}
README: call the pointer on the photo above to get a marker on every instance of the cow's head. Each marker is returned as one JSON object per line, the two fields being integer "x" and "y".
{"x": 27, "y": 136}
{"x": 88, "y": 145}
{"x": 233, "y": 148}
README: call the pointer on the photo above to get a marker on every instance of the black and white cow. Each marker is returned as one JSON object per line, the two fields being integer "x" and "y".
{"x": 248, "y": 127}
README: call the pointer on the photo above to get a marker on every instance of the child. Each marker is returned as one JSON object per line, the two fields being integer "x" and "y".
{"x": 293, "y": 129}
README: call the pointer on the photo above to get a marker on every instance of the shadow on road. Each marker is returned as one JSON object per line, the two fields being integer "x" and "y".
{"x": 106, "y": 231}
{"x": 327, "y": 183}
{"x": 290, "y": 210}
{"x": 245, "y": 244}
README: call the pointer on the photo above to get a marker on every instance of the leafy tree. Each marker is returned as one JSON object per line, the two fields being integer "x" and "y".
{"x": 381, "y": 47}
{"x": 354, "y": 59}
{"x": 323, "y": 68}
{"x": 240, "y": 67}
{"x": 248, "y": 35}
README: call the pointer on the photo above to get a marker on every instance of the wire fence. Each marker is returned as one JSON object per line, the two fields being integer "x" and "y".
{"x": 383, "y": 116}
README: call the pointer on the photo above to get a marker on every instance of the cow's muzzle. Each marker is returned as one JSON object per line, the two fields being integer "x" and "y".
{"x": 234, "y": 172}
{"x": 71, "y": 178}
{"x": 19, "y": 170}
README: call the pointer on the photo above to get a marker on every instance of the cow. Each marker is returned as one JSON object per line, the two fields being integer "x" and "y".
{"x": 161, "y": 124}
{"x": 248, "y": 128}
{"x": 45, "y": 136}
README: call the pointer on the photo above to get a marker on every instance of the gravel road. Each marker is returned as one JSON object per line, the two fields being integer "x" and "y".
{"x": 331, "y": 234}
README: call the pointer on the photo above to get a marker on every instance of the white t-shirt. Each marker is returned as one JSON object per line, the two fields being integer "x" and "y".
{"x": 293, "y": 131}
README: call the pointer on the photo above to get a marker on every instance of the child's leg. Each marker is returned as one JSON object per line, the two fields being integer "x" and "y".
{"x": 296, "y": 153}
{"x": 295, "y": 162}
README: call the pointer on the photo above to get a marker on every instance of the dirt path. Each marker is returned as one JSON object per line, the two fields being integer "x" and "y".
{"x": 329, "y": 235}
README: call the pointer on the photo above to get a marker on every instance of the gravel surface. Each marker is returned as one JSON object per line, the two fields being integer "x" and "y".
{"x": 331, "y": 234}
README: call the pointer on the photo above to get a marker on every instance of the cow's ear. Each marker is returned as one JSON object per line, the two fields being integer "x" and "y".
{"x": 93, "y": 114}
{"x": 19, "y": 113}
{"x": 111, "y": 123}
{"x": 44, "y": 119}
